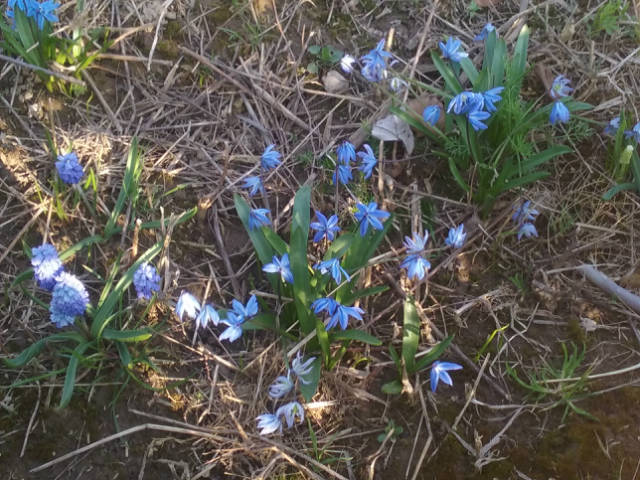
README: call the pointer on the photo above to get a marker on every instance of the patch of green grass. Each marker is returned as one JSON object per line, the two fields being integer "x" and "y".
{"x": 608, "y": 17}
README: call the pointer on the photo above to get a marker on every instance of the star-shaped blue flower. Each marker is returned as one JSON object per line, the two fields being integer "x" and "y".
{"x": 234, "y": 327}
{"x": 368, "y": 161}
{"x": 613, "y": 126}
{"x": 560, "y": 87}
{"x": 370, "y": 215}
{"x": 452, "y": 50}
{"x": 466, "y": 102}
{"x": 484, "y": 33}
{"x": 374, "y": 64}
{"x": 417, "y": 266}
{"x": 333, "y": 266}
{"x": 187, "y": 305}
{"x": 291, "y": 411}
{"x": 326, "y": 304}
{"x": 245, "y": 311}
{"x": 270, "y": 158}
{"x": 634, "y": 133}
{"x": 342, "y": 174}
{"x": 476, "y": 118}
{"x": 346, "y": 153}
{"x": 325, "y": 228}
{"x": 431, "y": 114}
{"x": 254, "y": 184}
{"x": 417, "y": 243}
{"x": 268, "y": 423}
{"x": 491, "y": 97}
{"x": 456, "y": 236}
{"x": 41, "y": 11}
{"x": 341, "y": 316}
{"x": 439, "y": 371}
{"x": 302, "y": 367}
{"x": 280, "y": 387}
{"x": 207, "y": 315}
{"x": 524, "y": 213}
{"x": 280, "y": 266}
{"x": 258, "y": 218}
{"x": 527, "y": 230}
{"x": 559, "y": 113}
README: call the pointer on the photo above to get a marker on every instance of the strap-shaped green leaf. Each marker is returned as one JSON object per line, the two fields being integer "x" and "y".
{"x": 357, "y": 335}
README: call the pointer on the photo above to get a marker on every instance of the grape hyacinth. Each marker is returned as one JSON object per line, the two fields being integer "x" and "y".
{"x": 146, "y": 281}
{"x": 68, "y": 300}
{"x": 69, "y": 168}
{"x": 46, "y": 265}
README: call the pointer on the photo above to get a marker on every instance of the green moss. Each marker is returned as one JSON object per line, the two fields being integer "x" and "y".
{"x": 168, "y": 48}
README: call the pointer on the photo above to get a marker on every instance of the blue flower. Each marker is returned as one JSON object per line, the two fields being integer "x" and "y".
{"x": 234, "y": 329}
{"x": 281, "y": 266}
{"x": 397, "y": 84}
{"x": 451, "y": 50}
{"x": 374, "y": 63}
{"x": 524, "y": 213}
{"x": 258, "y": 218}
{"x": 341, "y": 316}
{"x": 560, "y": 87}
{"x": 431, "y": 114}
{"x": 61, "y": 320}
{"x": 439, "y": 371}
{"x": 333, "y": 266}
{"x": 342, "y": 174}
{"x": 207, "y": 315}
{"x": 346, "y": 63}
{"x": 187, "y": 305}
{"x": 466, "y": 102}
{"x": 146, "y": 280}
{"x": 369, "y": 161}
{"x": 302, "y": 368}
{"x": 346, "y": 153}
{"x": 11, "y": 4}
{"x": 270, "y": 158}
{"x": 613, "y": 126}
{"x": 268, "y": 423}
{"x": 290, "y": 411}
{"x": 490, "y": 97}
{"x": 254, "y": 184}
{"x": 69, "y": 298}
{"x": 326, "y": 304}
{"x": 634, "y": 133}
{"x": 417, "y": 266}
{"x": 69, "y": 169}
{"x": 488, "y": 28}
{"x": 370, "y": 215}
{"x": 245, "y": 311}
{"x": 325, "y": 228}
{"x": 42, "y": 11}
{"x": 46, "y": 265}
{"x": 527, "y": 230}
{"x": 417, "y": 243}
{"x": 476, "y": 118}
{"x": 559, "y": 113}
{"x": 280, "y": 387}
{"x": 456, "y": 236}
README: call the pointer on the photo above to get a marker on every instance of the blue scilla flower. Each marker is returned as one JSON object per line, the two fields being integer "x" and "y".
{"x": 326, "y": 304}
{"x": 559, "y": 113}
{"x": 347, "y": 63}
{"x": 270, "y": 158}
{"x": 268, "y": 423}
{"x": 476, "y": 118}
{"x": 527, "y": 230}
{"x": 524, "y": 213}
{"x": 41, "y": 11}
{"x": 333, "y": 266}
{"x": 187, "y": 305}
{"x": 452, "y": 51}
{"x": 342, "y": 174}
{"x": 431, "y": 114}
{"x": 370, "y": 215}
{"x": 69, "y": 169}
{"x": 69, "y": 297}
{"x": 234, "y": 327}
{"x": 207, "y": 315}
{"x": 417, "y": 266}
{"x": 560, "y": 87}
{"x": 439, "y": 371}
{"x": 146, "y": 281}
{"x": 280, "y": 266}
{"x": 466, "y": 102}
{"x": 245, "y": 311}
{"x": 491, "y": 97}
{"x": 280, "y": 387}
{"x": 46, "y": 265}
{"x": 417, "y": 243}
{"x": 291, "y": 411}
{"x": 613, "y": 126}
{"x": 397, "y": 84}
{"x": 341, "y": 316}
{"x": 258, "y": 218}
{"x": 324, "y": 228}
{"x": 374, "y": 64}
{"x": 254, "y": 184}
{"x": 346, "y": 153}
{"x": 302, "y": 368}
{"x": 484, "y": 33}
{"x": 456, "y": 236}
{"x": 368, "y": 161}
{"x": 634, "y": 133}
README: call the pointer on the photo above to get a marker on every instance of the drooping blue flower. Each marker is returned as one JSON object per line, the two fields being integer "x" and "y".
{"x": 634, "y": 133}
{"x": 333, "y": 266}
{"x": 397, "y": 84}
{"x": 207, "y": 315}
{"x": 258, "y": 218}
{"x": 524, "y": 213}
{"x": 456, "y": 236}
{"x": 417, "y": 266}
{"x": 270, "y": 158}
{"x": 291, "y": 411}
{"x": 416, "y": 244}
{"x": 341, "y": 316}
{"x": 559, "y": 113}
{"x": 484, "y": 33}
{"x": 46, "y": 265}
{"x": 431, "y": 114}
{"x": 41, "y": 11}
{"x": 325, "y": 228}
{"x": 280, "y": 387}
{"x": 268, "y": 423}
{"x": 346, "y": 153}
{"x": 234, "y": 327}
{"x": 280, "y": 266}
{"x": 613, "y": 126}
{"x": 69, "y": 297}
{"x": 491, "y": 97}
{"x": 11, "y": 4}
{"x": 452, "y": 50}
{"x": 69, "y": 169}
{"x": 187, "y": 305}
{"x": 374, "y": 64}
{"x": 245, "y": 311}
{"x": 370, "y": 215}
{"x": 527, "y": 230}
{"x": 302, "y": 368}
{"x": 347, "y": 63}
{"x": 368, "y": 161}
{"x": 466, "y": 102}
{"x": 254, "y": 184}
{"x": 326, "y": 304}
{"x": 560, "y": 87}
{"x": 476, "y": 118}
{"x": 439, "y": 371}
{"x": 146, "y": 281}
{"x": 342, "y": 174}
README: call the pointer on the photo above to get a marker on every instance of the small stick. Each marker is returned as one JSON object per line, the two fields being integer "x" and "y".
{"x": 61, "y": 76}
{"x": 472, "y": 393}
{"x": 33, "y": 417}
{"x": 609, "y": 286}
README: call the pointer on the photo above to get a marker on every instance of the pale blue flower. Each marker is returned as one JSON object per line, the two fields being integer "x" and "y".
{"x": 291, "y": 411}
{"x": 368, "y": 161}
{"x": 346, "y": 153}
{"x": 254, "y": 184}
{"x": 347, "y": 63}
{"x": 268, "y": 423}
{"x": 452, "y": 51}
{"x": 476, "y": 118}
{"x": 491, "y": 97}
{"x": 374, "y": 63}
{"x": 342, "y": 174}
{"x": 456, "y": 236}
{"x": 245, "y": 311}
{"x": 280, "y": 387}
{"x": 417, "y": 266}
{"x": 325, "y": 228}
{"x": 302, "y": 368}
{"x": 466, "y": 102}
{"x": 341, "y": 316}
{"x": 439, "y": 371}
{"x": 41, "y": 11}
{"x": 207, "y": 315}
{"x": 146, "y": 281}
{"x": 431, "y": 114}
{"x": 187, "y": 305}
{"x": 270, "y": 158}
{"x": 560, "y": 87}
{"x": 613, "y": 126}
{"x": 559, "y": 113}
{"x": 397, "y": 84}
{"x": 234, "y": 328}
{"x": 416, "y": 244}
{"x": 326, "y": 304}
{"x": 333, "y": 266}
{"x": 61, "y": 320}
{"x": 524, "y": 213}
{"x": 280, "y": 266}
{"x": 370, "y": 215}
{"x": 68, "y": 299}
{"x": 46, "y": 265}
{"x": 258, "y": 218}
{"x": 488, "y": 28}
{"x": 527, "y": 230}
{"x": 634, "y": 133}
{"x": 69, "y": 169}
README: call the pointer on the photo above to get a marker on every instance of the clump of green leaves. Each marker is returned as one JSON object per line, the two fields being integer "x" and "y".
{"x": 608, "y": 17}
{"x": 323, "y": 57}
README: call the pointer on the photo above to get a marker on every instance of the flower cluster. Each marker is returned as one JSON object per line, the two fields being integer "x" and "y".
{"x": 614, "y": 125}
{"x": 524, "y": 216}
{"x": 38, "y": 11}
{"x": 346, "y": 153}
{"x": 69, "y": 168}
{"x": 559, "y": 89}
{"x": 477, "y": 107}
{"x": 46, "y": 265}
{"x": 374, "y": 67}
{"x": 146, "y": 281}
{"x": 336, "y": 313}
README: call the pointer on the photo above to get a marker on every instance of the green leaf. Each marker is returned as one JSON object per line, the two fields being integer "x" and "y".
{"x": 70, "y": 377}
{"x": 125, "y": 355}
{"x": 339, "y": 246}
{"x": 469, "y": 68}
{"x": 279, "y": 245}
{"x": 34, "y": 349}
{"x": 357, "y": 335}
{"x": 450, "y": 79}
{"x": 410, "y": 334}
{"x": 262, "y": 321}
{"x": 309, "y": 390}
{"x": 457, "y": 176}
{"x": 129, "y": 190}
{"x": 301, "y": 279}
{"x": 139, "y": 335}
{"x": 396, "y": 358}
{"x": 314, "y": 49}
{"x": 434, "y": 354}
{"x": 497, "y": 65}
{"x": 301, "y": 211}
{"x": 349, "y": 297}
{"x": 260, "y": 244}
{"x": 616, "y": 189}
{"x": 393, "y": 387}
{"x": 519, "y": 62}
{"x": 323, "y": 340}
